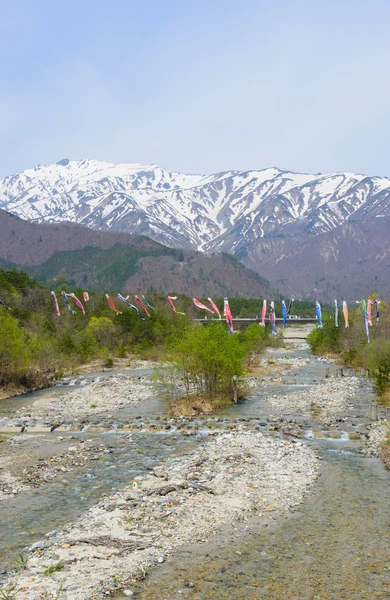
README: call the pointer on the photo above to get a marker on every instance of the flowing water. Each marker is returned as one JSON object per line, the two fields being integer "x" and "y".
{"x": 25, "y": 518}
{"x": 336, "y": 546}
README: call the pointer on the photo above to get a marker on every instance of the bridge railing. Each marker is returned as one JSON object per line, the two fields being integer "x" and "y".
{"x": 248, "y": 320}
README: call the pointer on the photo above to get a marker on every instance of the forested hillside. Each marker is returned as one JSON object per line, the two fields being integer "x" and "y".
{"x": 100, "y": 260}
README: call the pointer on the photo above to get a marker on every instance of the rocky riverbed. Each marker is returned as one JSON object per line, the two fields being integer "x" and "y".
{"x": 236, "y": 474}
{"x": 267, "y": 365}
{"x": 115, "y": 392}
{"x": 186, "y": 499}
{"x": 324, "y": 401}
{"x": 378, "y": 441}
{"x": 28, "y": 462}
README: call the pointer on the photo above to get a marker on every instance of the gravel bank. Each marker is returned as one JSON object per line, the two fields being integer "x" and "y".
{"x": 226, "y": 480}
{"x": 378, "y": 442}
{"x": 270, "y": 368}
{"x": 113, "y": 393}
{"x": 324, "y": 401}
{"x": 20, "y": 471}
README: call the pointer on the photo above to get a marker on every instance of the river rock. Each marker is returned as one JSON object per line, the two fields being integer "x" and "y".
{"x": 41, "y": 545}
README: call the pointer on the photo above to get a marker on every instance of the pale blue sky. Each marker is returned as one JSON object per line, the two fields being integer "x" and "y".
{"x": 196, "y": 85}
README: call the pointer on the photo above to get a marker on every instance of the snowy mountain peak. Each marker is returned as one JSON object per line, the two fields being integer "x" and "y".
{"x": 228, "y": 210}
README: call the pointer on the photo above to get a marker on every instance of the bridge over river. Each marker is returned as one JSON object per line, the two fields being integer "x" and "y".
{"x": 248, "y": 321}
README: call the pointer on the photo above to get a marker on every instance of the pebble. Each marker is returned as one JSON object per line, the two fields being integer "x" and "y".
{"x": 52, "y": 533}
{"x": 41, "y": 545}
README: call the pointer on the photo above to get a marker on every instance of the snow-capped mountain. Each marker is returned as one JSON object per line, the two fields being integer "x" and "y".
{"x": 225, "y": 210}
{"x": 236, "y": 212}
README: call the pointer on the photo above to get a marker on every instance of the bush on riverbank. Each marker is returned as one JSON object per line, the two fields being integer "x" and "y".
{"x": 382, "y": 379}
{"x": 207, "y": 359}
{"x": 14, "y": 355}
{"x": 353, "y": 349}
{"x": 325, "y": 339}
{"x": 206, "y": 364}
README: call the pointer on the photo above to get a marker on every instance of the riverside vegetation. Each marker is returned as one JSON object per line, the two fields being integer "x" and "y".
{"x": 37, "y": 347}
{"x": 352, "y": 349}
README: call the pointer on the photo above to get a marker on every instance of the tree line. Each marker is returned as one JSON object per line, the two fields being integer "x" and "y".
{"x": 37, "y": 346}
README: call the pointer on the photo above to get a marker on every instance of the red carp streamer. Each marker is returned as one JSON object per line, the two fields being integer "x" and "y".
{"x": 142, "y": 306}
{"x": 112, "y": 305}
{"x": 370, "y": 304}
{"x": 202, "y": 306}
{"x": 170, "y": 300}
{"x": 85, "y": 296}
{"x": 263, "y": 313}
{"x": 53, "y": 295}
{"x": 77, "y": 302}
{"x": 215, "y": 307}
{"x": 228, "y": 315}
{"x": 345, "y": 313}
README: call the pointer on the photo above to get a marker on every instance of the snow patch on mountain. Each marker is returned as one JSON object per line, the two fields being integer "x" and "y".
{"x": 224, "y": 211}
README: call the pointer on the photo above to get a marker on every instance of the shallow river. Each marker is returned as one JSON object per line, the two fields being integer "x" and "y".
{"x": 336, "y": 546}
{"x": 26, "y": 517}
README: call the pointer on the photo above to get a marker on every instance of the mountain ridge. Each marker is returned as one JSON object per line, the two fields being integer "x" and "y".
{"x": 237, "y": 212}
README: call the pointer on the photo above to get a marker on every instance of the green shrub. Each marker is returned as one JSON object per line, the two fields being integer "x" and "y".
{"x": 103, "y": 329}
{"x": 207, "y": 358}
{"x": 382, "y": 377}
{"x": 14, "y": 352}
{"x": 253, "y": 339}
{"x": 325, "y": 339}
{"x": 122, "y": 351}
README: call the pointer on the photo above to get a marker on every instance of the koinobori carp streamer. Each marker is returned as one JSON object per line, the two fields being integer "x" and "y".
{"x": 130, "y": 305}
{"x": 365, "y": 317}
{"x": 142, "y": 306}
{"x": 170, "y": 300}
{"x": 214, "y": 307}
{"x": 272, "y": 317}
{"x": 345, "y": 313}
{"x": 202, "y": 306}
{"x": 318, "y": 314}
{"x": 112, "y": 305}
{"x": 263, "y": 313}
{"x": 228, "y": 314}
{"x": 284, "y": 313}
{"x": 55, "y": 301}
